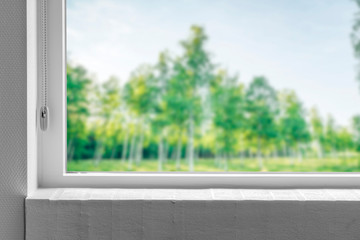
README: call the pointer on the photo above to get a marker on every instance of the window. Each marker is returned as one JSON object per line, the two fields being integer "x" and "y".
{"x": 189, "y": 93}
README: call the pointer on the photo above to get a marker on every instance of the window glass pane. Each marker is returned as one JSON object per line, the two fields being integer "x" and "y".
{"x": 213, "y": 86}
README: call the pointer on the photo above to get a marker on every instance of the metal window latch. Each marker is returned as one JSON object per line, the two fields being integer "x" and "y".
{"x": 44, "y": 118}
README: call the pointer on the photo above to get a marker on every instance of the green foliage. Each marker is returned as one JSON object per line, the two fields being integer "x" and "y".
{"x": 356, "y": 130}
{"x": 262, "y": 107}
{"x": 228, "y": 105}
{"x": 141, "y": 91}
{"x": 78, "y": 86}
{"x": 186, "y": 108}
{"x": 355, "y": 34}
{"x": 194, "y": 71}
{"x": 293, "y": 127}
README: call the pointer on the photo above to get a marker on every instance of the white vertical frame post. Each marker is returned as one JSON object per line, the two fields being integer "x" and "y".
{"x": 52, "y": 142}
{"x": 32, "y": 156}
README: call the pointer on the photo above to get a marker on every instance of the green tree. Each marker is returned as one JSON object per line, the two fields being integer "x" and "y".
{"x": 317, "y": 130}
{"x": 228, "y": 110}
{"x": 331, "y": 137}
{"x": 176, "y": 105}
{"x": 345, "y": 143}
{"x": 78, "y": 87}
{"x": 195, "y": 72}
{"x": 108, "y": 102}
{"x": 161, "y": 120}
{"x": 293, "y": 127}
{"x": 356, "y": 132}
{"x": 140, "y": 94}
{"x": 262, "y": 108}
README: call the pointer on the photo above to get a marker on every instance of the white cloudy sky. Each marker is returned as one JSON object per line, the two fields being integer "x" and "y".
{"x": 302, "y": 45}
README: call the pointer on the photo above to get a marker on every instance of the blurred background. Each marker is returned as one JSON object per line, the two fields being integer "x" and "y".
{"x": 208, "y": 86}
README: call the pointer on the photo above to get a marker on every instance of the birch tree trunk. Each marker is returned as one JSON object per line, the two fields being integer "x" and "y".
{"x": 178, "y": 151}
{"x": 131, "y": 154}
{"x": 166, "y": 152}
{"x": 292, "y": 157}
{"x": 241, "y": 154}
{"x": 276, "y": 156}
{"x": 125, "y": 147}
{"x": 98, "y": 152}
{"x": 69, "y": 149}
{"x": 217, "y": 158}
{"x": 334, "y": 152}
{"x": 140, "y": 144}
{"x": 320, "y": 151}
{"x": 191, "y": 143}
{"x": 100, "y": 144}
{"x": 300, "y": 156}
{"x": 160, "y": 153}
{"x": 285, "y": 150}
{"x": 260, "y": 160}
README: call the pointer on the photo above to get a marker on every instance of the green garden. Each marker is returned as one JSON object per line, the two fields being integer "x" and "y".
{"x": 187, "y": 113}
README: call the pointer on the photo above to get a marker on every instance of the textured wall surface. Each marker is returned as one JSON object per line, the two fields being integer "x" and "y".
{"x": 212, "y": 214}
{"x": 12, "y": 118}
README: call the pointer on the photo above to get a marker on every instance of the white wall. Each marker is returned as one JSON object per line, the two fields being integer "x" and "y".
{"x": 138, "y": 219}
{"x": 12, "y": 118}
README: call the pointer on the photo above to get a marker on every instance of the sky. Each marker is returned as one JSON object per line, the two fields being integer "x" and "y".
{"x": 302, "y": 45}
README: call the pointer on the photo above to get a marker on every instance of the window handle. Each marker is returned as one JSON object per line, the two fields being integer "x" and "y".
{"x": 44, "y": 118}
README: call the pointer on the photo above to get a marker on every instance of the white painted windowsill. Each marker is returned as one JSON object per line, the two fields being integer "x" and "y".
{"x": 55, "y": 194}
{"x": 203, "y": 214}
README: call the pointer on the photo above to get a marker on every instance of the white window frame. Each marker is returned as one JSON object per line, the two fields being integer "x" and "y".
{"x": 49, "y": 154}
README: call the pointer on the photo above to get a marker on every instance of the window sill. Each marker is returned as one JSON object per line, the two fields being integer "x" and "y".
{"x": 192, "y": 214}
{"x": 82, "y": 194}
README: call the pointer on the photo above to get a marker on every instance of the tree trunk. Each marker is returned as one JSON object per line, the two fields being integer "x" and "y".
{"x": 276, "y": 153}
{"x": 72, "y": 152}
{"x": 69, "y": 148}
{"x": 166, "y": 152}
{"x": 242, "y": 158}
{"x": 217, "y": 158}
{"x": 113, "y": 152}
{"x": 285, "y": 150}
{"x": 173, "y": 153}
{"x": 131, "y": 154}
{"x": 125, "y": 147}
{"x": 100, "y": 144}
{"x": 98, "y": 152}
{"x": 333, "y": 152}
{"x": 241, "y": 154}
{"x": 292, "y": 156}
{"x": 226, "y": 167}
{"x": 178, "y": 151}
{"x": 160, "y": 153}
{"x": 300, "y": 156}
{"x": 320, "y": 151}
{"x": 259, "y": 157}
{"x": 191, "y": 143}
{"x": 196, "y": 154}
{"x": 139, "y": 151}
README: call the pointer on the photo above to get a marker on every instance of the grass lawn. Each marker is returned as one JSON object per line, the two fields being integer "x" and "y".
{"x": 234, "y": 165}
